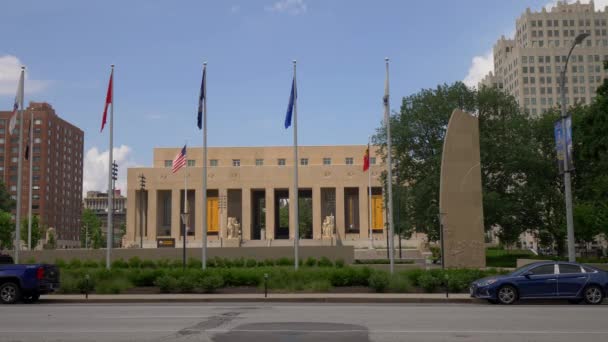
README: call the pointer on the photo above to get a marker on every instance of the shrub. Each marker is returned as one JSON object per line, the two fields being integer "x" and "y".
{"x": 240, "y": 262}
{"x": 60, "y": 263}
{"x": 414, "y": 276}
{"x": 321, "y": 285}
{"x": 268, "y": 262}
{"x": 310, "y": 262}
{"x": 75, "y": 263}
{"x": 112, "y": 286}
{"x": 211, "y": 283}
{"x": 120, "y": 264}
{"x": 242, "y": 277}
{"x": 163, "y": 263}
{"x": 284, "y": 262}
{"x": 251, "y": 263}
{"x": 90, "y": 264}
{"x": 134, "y": 262}
{"x": 325, "y": 262}
{"x": 379, "y": 281}
{"x": 30, "y": 261}
{"x": 429, "y": 282}
{"x": 339, "y": 263}
{"x": 84, "y": 285}
{"x": 399, "y": 283}
{"x": 148, "y": 264}
{"x": 195, "y": 263}
{"x": 186, "y": 284}
{"x": 177, "y": 263}
{"x": 144, "y": 277}
{"x": 166, "y": 284}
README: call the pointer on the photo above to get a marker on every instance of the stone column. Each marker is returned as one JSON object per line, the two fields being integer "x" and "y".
{"x": 223, "y": 193}
{"x": 340, "y": 218}
{"x": 133, "y": 215}
{"x": 269, "y": 194}
{"x": 316, "y": 213}
{"x": 363, "y": 213}
{"x": 198, "y": 214}
{"x": 246, "y": 208}
{"x": 292, "y": 217}
{"x": 151, "y": 219}
{"x": 175, "y": 214}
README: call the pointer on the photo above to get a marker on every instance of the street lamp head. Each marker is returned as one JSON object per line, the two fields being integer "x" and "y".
{"x": 579, "y": 39}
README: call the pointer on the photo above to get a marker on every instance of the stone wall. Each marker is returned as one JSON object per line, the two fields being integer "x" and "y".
{"x": 345, "y": 253}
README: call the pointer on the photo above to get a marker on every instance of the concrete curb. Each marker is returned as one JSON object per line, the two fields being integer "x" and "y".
{"x": 261, "y": 299}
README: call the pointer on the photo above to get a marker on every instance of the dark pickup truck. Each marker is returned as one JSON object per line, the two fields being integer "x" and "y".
{"x": 26, "y": 282}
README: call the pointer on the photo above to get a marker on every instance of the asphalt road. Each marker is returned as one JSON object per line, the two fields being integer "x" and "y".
{"x": 302, "y": 322}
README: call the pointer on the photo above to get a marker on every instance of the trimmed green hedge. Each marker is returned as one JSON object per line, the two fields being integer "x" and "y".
{"x": 280, "y": 278}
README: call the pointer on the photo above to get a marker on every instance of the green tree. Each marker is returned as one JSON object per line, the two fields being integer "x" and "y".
{"x": 506, "y": 147}
{"x": 90, "y": 232}
{"x": 36, "y": 231}
{"x": 7, "y": 204}
{"x": 305, "y": 217}
{"x": 7, "y": 229}
{"x": 52, "y": 241}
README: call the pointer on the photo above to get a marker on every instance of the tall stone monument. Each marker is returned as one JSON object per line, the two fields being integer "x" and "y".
{"x": 460, "y": 201}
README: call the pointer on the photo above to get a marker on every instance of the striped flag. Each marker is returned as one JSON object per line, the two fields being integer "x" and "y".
{"x": 18, "y": 99}
{"x": 179, "y": 161}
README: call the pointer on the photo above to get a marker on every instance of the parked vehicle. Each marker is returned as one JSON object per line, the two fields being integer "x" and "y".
{"x": 26, "y": 282}
{"x": 545, "y": 280}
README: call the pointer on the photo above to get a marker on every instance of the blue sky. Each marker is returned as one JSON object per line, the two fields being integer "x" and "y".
{"x": 159, "y": 47}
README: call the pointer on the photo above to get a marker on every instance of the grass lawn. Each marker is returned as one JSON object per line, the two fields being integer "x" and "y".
{"x": 506, "y": 258}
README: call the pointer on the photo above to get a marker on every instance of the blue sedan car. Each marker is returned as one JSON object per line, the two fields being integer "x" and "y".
{"x": 545, "y": 280}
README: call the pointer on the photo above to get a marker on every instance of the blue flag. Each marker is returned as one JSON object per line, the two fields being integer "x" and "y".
{"x": 292, "y": 100}
{"x": 202, "y": 97}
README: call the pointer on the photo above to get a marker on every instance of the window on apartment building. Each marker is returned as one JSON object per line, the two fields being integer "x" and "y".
{"x": 259, "y": 162}
{"x": 191, "y": 163}
{"x": 524, "y": 59}
{"x": 168, "y": 163}
{"x": 303, "y": 161}
{"x": 348, "y": 161}
{"x": 213, "y": 163}
{"x": 326, "y": 161}
{"x": 281, "y": 161}
{"x": 236, "y": 162}
{"x": 37, "y": 122}
{"x": 524, "y": 70}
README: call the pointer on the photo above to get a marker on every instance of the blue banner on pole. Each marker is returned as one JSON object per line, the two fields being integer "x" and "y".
{"x": 559, "y": 144}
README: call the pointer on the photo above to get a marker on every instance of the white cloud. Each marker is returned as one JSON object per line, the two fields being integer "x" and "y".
{"x": 95, "y": 175}
{"x": 480, "y": 67}
{"x": 235, "y": 9}
{"x": 293, "y": 7}
{"x": 10, "y": 68}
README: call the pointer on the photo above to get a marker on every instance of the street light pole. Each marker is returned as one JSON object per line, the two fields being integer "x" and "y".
{"x": 567, "y": 178}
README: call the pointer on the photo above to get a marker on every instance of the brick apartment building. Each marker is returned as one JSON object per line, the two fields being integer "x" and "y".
{"x": 57, "y": 154}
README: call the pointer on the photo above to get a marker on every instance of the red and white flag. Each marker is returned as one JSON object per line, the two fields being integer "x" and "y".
{"x": 366, "y": 159}
{"x": 18, "y": 99}
{"x": 108, "y": 101}
{"x": 179, "y": 161}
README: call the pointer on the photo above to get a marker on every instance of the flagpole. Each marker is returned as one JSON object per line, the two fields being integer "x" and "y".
{"x": 29, "y": 215}
{"x": 19, "y": 169}
{"x": 204, "y": 256}
{"x": 185, "y": 219}
{"x": 369, "y": 190}
{"x": 110, "y": 228}
{"x": 295, "y": 170}
{"x": 389, "y": 168}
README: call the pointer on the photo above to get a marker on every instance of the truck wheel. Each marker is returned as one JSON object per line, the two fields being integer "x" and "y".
{"x": 31, "y": 298}
{"x": 10, "y": 293}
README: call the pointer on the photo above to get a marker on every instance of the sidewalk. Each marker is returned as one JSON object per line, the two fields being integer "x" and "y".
{"x": 274, "y": 298}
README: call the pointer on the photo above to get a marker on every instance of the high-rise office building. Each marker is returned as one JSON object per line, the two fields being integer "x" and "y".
{"x": 528, "y": 66}
{"x": 57, "y": 156}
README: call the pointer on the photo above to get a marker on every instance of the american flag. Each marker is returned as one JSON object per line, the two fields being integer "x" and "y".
{"x": 180, "y": 160}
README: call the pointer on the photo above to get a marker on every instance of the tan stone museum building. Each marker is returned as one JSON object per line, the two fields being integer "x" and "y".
{"x": 249, "y": 197}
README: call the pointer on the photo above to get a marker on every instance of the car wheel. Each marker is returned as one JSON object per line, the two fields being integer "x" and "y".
{"x": 9, "y": 293}
{"x": 31, "y": 298}
{"x": 507, "y": 295}
{"x": 594, "y": 295}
